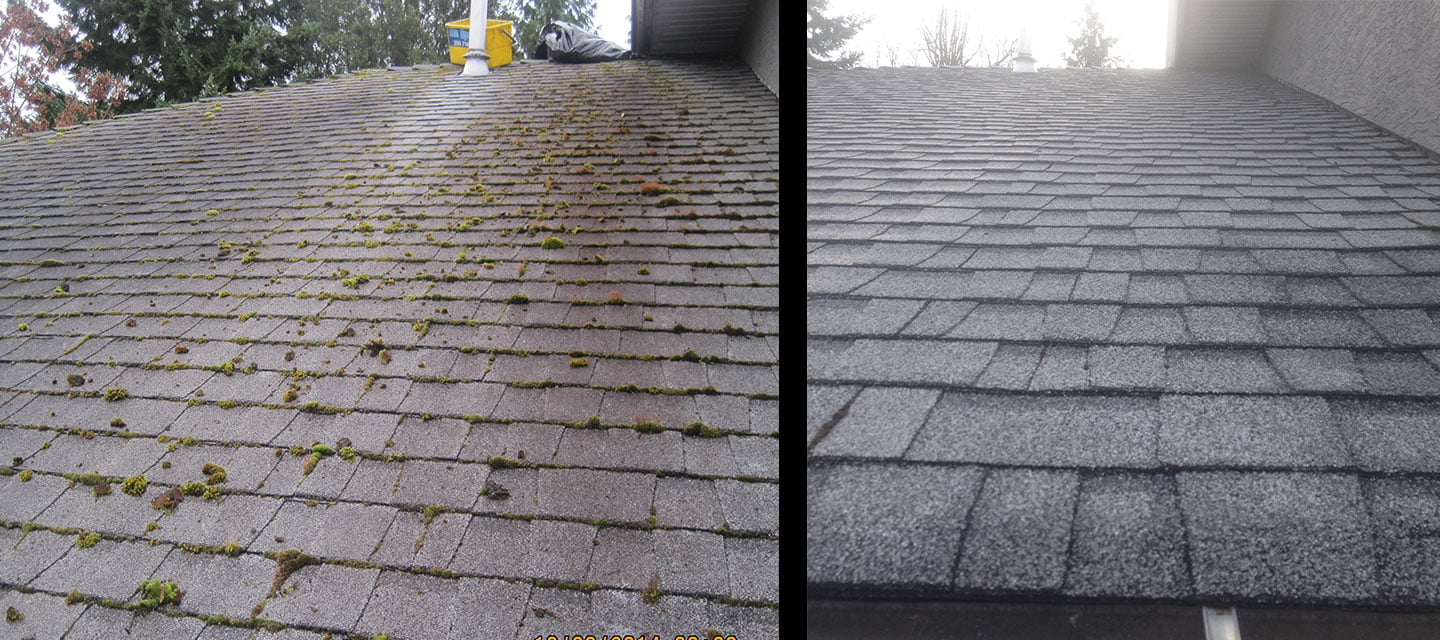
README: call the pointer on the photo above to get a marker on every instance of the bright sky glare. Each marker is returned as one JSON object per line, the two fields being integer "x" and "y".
{"x": 894, "y": 33}
{"x": 612, "y": 21}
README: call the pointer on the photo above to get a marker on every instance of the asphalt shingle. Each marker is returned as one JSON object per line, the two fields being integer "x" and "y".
{"x": 1187, "y": 335}
{"x": 863, "y": 532}
{"x": 1019, "y": 532}
{"x": 1290, "y": 536}
{"x": 1045, "y": 431}
{"x": 381, "y": 320}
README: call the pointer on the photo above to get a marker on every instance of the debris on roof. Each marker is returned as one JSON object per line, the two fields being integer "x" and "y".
{"x": 340, "y": 320}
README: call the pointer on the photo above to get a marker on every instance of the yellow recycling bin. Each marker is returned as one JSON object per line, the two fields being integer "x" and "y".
{"x": 498, "y": 41}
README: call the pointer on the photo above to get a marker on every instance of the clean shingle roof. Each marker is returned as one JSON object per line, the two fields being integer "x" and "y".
{"x": 366, "y": 261}
{"x": 1118, "y": 335}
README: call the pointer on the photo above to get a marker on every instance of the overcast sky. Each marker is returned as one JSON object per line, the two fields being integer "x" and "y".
{"x": 1141, "y": 25}
{"x": 612, "y": 21}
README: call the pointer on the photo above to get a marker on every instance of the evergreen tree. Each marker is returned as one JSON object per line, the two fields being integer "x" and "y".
{"x": 826, "y": 35}
{"x": 1091, "y": 47}
{"x": 180, "y": 50}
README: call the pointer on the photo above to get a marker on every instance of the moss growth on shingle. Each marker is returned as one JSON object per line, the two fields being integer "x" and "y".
{"x": 651, "y": 592}
{"x": 287, "y": 562}
{"x": 322, "y": 409}
{"x": 116, "y": 394}
{"x": 193, "y": 488}
{"x": 168, "y": 500}
{"x": 135, "y": 485}
{"x": 702, "y": 430}
{"x": 155, "y": 592}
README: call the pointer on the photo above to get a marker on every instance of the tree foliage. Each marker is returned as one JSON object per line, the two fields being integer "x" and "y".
{"x": 170, "y": 51}
{"x": 32, "y": 54}
{"x": 1091, "y": 47}
{"x": 344, "y": 35}
{"x": 180, "y": 50}
{"x": 826, "y": 35}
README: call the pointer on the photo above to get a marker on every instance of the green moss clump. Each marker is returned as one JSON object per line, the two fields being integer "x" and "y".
{"x": 135, "y": 485}
{"x": 51, "y": 262}
{"x": 13, "y": 615}
{"x": 501, "y": 462}
{"x": 26, "y": 474}
{"x": 193, "y": 488}
{"x": 74, "y": 597}
{"x": 323, "y": 409}
{"x": 518, "y": 298}
{"x": 155, "y": 593}
{"x": 649, "y": 426}
{"x": 579, "y": 362}
{"x": 87, "y": 539}
{"x": 702, "y": 430}
{"x": 116, "y": 394}
{"x": 552, "y": 242}
{"x": 323, "y": 449}
{"x": 118, "y": 423}
{"x": 348, "y": 454}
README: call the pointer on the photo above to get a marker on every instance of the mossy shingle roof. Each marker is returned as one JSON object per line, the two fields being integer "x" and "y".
{"x": 576, "y": 435}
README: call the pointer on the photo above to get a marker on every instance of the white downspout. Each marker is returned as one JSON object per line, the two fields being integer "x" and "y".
{"x": 477, "y": 62}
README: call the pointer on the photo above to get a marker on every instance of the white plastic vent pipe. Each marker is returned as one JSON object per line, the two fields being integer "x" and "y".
{"x": 477, "y": 62}
{"x": 1024, "y": 62}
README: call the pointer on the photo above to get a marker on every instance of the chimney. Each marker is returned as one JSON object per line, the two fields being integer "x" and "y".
{"x": 1024, "y": 62}
{"x": 477, "y": 62}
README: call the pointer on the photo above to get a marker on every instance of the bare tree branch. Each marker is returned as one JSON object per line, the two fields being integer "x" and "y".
{"x": 946, "y": 41}
{"x": 1000, "y": 52}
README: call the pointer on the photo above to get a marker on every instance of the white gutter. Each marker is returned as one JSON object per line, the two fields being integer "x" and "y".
{"x": 1221, "y": 623}
{"x": 477, "y": 62}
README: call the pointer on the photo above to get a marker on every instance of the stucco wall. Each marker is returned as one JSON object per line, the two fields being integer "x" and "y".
{"x": 759, "y": 42}
{"x": 1380, "y": 60}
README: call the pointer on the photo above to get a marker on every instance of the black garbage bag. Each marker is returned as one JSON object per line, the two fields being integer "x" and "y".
{"x": 565, "y": 42}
